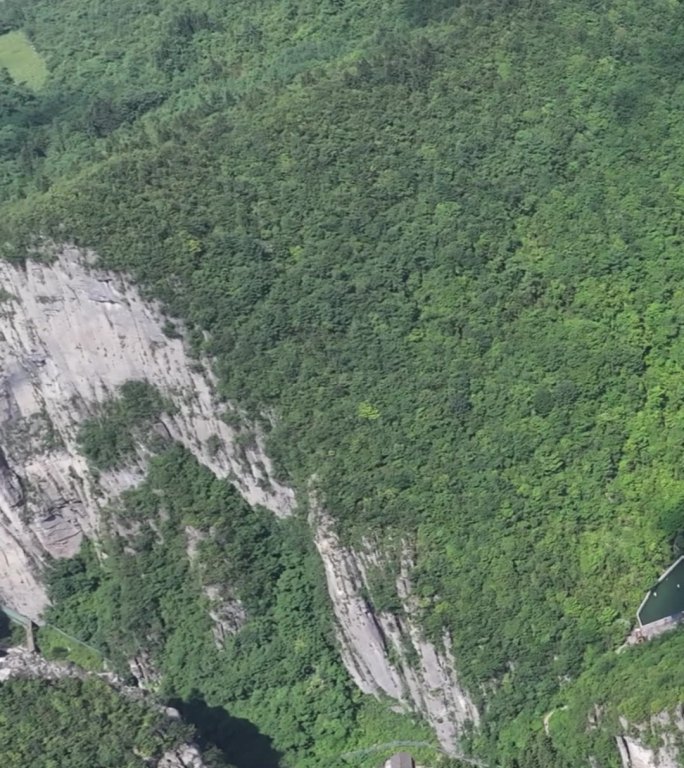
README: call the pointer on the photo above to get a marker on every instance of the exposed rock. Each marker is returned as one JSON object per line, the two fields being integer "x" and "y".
{"x": 144, "y": 671}
{"x": 387, "y": 653}
{"x": 193, "y": 537}
{"x": 665, "y": 729}
{"x": 21, "y": 663}
{"x": 11, "y": 492}
{"x": 70, "y": 338}
{"x": 184, "y": 756}
{"x": 20, "y": 556}
{"x": 227, "y": 612}
{"x": 58, "y": 529}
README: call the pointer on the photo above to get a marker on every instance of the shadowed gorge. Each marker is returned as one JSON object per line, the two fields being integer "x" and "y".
{"x": 238, "y": 740}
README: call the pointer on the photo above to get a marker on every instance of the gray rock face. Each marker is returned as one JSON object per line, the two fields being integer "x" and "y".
{"x": 668, "y": 730}
{"x": 184, "y": 756}
{"x": 387, "y": 653}
{"x": 227, "y": 612}
{"x": 69, "y": 337}
{"x": 11, "y": 492}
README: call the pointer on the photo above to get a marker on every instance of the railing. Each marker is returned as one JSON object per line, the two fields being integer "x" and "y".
{"x": 29, "y": 624}
{"x": 391, "y": 745}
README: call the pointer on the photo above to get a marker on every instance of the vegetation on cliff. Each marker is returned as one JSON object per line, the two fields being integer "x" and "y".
{"x": 442, "y": 242}
{"x": 125, "y": 422}
{"x": 276, "y": 690}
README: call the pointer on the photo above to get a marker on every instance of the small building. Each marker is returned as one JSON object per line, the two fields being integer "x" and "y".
{"x": 401, "y": 760}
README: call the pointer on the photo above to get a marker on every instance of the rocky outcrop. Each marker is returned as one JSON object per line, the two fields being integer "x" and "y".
{"x": 226, "y": 612}
{"x": 144, "y": 671}
{"x": 386, "y": 653}
{"x": 20, "y": 663}
{"x": 184, "y": 756}
{"x": 636, "y": 755}
{"x": 70, "y": 335}
{"x": 666, "y": 731}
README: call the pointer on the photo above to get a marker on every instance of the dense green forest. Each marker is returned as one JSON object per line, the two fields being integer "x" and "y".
{"x": 281, "y": 671}
{"x": 44, "y": 723}
{"x": 442, "y": 241}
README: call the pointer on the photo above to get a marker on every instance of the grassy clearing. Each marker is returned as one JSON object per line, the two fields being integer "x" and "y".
{"x": 58, "y": 647}
{"x": 22, "y": 61}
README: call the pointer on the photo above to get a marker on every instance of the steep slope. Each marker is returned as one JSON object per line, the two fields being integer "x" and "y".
{"x": 70, "y": 338}
{"x": 634, "y": 753}
{"x": 386, "y": 651}
{"x": 441, "y": 244}
{"x": 73, "y": 335}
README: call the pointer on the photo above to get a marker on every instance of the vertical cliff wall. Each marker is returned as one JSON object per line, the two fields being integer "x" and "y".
{"x": 387, "y": 653}
{"x": 657, "y": 744}
{"x": 70, "y": 335}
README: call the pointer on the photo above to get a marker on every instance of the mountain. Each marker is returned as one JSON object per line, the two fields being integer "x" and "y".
{"x": 341, "y": 353}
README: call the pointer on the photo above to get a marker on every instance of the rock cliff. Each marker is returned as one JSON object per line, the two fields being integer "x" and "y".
{"x": 386, "y": 653}
{"x": 656, "y": 745}
{"x": 70, "y": 335}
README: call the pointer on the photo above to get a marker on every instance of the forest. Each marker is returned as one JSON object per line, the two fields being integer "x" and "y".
{"x": 44, "y": 721}
{"x": 442, "y": 242}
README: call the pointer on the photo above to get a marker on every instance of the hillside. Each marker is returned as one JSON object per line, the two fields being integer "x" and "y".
{"x": 84, "y": 723}
{"x": 434, "y": 248}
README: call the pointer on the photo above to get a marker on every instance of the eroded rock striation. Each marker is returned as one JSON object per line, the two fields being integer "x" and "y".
{"x": 71, "y": 335}
{"x": 386, "y": 653}
{"x": 656, "y": 745}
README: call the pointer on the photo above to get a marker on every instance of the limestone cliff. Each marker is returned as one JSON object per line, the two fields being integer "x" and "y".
{"x": 655, "y": 745}
{"x": 386, "y": 653}
{"x": 70, "y": 335}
